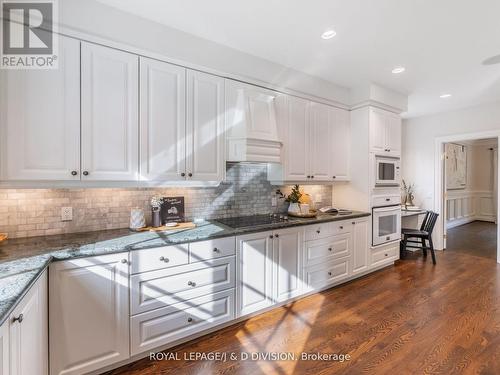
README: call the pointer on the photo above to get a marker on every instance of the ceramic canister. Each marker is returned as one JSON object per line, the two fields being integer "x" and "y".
{"x": 137, "y": 219}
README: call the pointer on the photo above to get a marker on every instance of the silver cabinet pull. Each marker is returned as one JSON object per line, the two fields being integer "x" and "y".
{"x": 191, "y": 283}
{"x": 163, "y": 259}
{"x": 19, "y": 319}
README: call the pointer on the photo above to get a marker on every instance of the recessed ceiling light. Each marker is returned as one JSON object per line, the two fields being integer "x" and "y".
{"x": 398, "y": 69}
{"x": 445, "y": 96}
{"x": 328, "y": 34}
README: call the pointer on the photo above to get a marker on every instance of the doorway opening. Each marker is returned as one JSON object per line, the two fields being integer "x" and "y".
{"x": 467, "y": 194}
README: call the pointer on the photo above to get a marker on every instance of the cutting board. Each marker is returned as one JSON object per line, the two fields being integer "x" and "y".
{"x": 188, "y": 225}
{"x": 3, "y": 237}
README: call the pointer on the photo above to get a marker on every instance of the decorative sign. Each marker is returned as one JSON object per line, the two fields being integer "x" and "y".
{"x": 456, "y": 166}
{"x": 172, "y": 210}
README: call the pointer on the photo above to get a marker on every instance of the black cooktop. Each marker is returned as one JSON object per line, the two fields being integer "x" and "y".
{"x": 253, "y": 221}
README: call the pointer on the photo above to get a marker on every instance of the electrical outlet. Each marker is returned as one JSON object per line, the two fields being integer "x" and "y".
{"x": 274, "y": 201}
{"x": 318, "y": 198}
{"x": 66, "y": 213}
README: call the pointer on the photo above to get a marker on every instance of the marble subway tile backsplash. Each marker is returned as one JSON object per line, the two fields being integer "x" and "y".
{"x": 36, "y": 212}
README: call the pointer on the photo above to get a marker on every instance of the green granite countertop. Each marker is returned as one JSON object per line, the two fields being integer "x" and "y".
{"x": 22, "y": 260}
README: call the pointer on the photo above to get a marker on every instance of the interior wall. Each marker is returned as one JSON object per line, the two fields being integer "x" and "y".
{"x": 419, "y": 137}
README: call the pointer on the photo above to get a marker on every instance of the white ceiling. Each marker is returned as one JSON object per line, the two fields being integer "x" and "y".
{"x": 440, "y": 42}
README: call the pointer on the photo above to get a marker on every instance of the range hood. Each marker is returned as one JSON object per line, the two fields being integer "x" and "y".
{"x": 251, "y": 124}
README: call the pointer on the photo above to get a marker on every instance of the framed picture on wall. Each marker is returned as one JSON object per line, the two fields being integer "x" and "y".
{"x": 456, "y": 166}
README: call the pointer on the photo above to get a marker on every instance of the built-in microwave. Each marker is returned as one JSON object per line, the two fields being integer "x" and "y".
{"x": 387, "y": 171}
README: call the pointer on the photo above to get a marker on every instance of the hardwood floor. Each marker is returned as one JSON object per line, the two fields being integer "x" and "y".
{"x": 478, "y": 238}
{"x": 413, "y": 318}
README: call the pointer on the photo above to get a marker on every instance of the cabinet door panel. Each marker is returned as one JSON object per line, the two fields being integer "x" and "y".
{"x": 110, "y": 127}
{"x": 341, "y": 141}
{"x": 163, "y": 122}
{"x": 40, "y": 119}
{"x": 28, "y": 337}
{"x": 287, "y": 250}
{"x": 361, "y": 247}
{"x": 377, "y": 131}
{"x": 297, "y": 150}
{"x": 320, "y": 144}
{"x": 205, "y": 128}
{"x": 89, "y": 313}
{"x": 393, "y": 134}
{"x": 254, "y": 289}
{"x": 4, "y": 349}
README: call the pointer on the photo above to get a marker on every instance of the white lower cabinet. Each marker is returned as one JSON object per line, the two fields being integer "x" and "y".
{"x": 384, "y": 255}
{"x": 254, "y": 288}
{"x": 287, "y": 247}
{"x": 4, "y": 349}
{"x": 161, "y": 326}
{"x": 27, "y": 333}
{"x": 360, "y": 247}
{"x": 322, "y": 275}
{"x": 89, "y": 313}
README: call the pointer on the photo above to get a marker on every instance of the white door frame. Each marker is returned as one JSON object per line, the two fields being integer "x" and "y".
{"x": 439, "y": 173}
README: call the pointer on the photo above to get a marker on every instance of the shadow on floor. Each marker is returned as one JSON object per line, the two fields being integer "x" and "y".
{"x": 478, "y": 238}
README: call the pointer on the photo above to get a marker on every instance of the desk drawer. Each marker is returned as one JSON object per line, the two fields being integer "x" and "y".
{"x": 388, "y": 255}
{"x": 152, "y": 290}
{"x": 159, "y": 327}
{"x": 158, "y": 258}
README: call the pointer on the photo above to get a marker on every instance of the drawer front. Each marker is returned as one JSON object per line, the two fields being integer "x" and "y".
{"x": 341, "y": 227}
{"x": 333, "y": 247}
{"x": 315, "y": 232}
{"x": 158, "y": 258}
{"x": 223, "y": 247}
{"x": 386, "y": 200}
{"x": 152, "y": 290}
{"x": 322, "y": 275}
{"x": 159, "y": 327}
{"x": 385, "y": 255}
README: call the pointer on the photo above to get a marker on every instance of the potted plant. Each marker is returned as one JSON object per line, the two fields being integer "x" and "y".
{"x": 293, "y": 199}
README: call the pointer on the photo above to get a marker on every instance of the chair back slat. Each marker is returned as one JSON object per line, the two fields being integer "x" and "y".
{"x": 431, "y": 222}
{"x": 424, "y": 222}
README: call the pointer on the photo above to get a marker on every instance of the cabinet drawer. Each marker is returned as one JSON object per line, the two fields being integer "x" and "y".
{"x": 327, "y": 249}
{"x": 322, "y": 275}
{"x": 341, "y": 227}
{"x": 386, "y": 200}
{"x": 314, "y": 232}
{"x": 155, "y": 289}
{"x": 385, "y": 255}
{"x": 159, "y": 327}
{"x": 158, "y": 258}
{"x": 218, "y": 248}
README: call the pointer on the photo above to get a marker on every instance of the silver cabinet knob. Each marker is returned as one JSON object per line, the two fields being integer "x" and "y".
{"x": 85, "y": 173}
{"x": 163, "y": 259}
{"x": 271, "y": 236}
{"x": 191, "y": 283}
{"x": 216, "y": 250}
{"x": 124, "y": 261}
{"x": 341, "y": 227}
{"x": 276, "y": 235}
{"x": 190, "y": 174}
{"x": 330, "y": 249}
{"x": 318, "y": 231}
{"x": 19, "y": 319}
{"x": 190, "y": 320}
{"x": 74, "y": 173}
{"x": 183, "y": 174}
{"x": 329, "y": 274}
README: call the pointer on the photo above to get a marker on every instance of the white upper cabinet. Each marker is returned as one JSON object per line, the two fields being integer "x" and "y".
{"x": 205, "y": 127}
{"x": 28, "y": 333}
{"x": 340, "y": 144}
{"x": 40, "y": 119}
{"x": 110, "y": 127}
{"x": 385, "y": 132}
{"x": 89, "y": 313}
{"x": 296, "y": 158}
{"x": 251, "y": 127}
{"x": 320, "y": 144}
{"x": 162, "y": 120}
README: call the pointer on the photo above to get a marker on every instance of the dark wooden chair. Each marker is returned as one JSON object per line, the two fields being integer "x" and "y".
{"x": 420, "y": 236}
